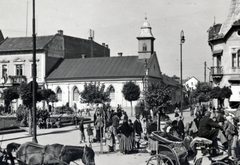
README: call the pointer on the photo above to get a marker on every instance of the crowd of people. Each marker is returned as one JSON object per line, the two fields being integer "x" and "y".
{"x": 115, "y": 127}
{"x": 217, "y": 125}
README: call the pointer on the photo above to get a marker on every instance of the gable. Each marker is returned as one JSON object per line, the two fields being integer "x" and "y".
{"x": 154, "y": 68}
{"x": 18, "y": 60}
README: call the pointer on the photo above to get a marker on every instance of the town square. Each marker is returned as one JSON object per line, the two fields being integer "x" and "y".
{"x": 119, "y": 82}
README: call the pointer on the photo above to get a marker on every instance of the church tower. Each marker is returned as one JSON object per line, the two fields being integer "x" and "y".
{"x": 145, "y": 41}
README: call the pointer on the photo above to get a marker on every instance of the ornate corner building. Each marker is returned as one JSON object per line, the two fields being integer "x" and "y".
{"x": 224, "y": 41}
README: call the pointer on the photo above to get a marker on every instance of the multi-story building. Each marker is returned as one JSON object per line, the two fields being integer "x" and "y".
{"x": 16, "y": 56}
{"x": 224, "y": 41}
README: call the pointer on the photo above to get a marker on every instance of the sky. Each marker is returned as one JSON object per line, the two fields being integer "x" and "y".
{"x": 118, "y": 22}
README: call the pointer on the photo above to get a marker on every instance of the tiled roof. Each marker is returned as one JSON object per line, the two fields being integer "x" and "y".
{"x": 103, "y": 67}
{"x": 24, "y": 43}
{"x": 169, "y": 80}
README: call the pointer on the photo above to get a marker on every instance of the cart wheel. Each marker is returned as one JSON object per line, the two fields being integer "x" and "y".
{"x": 160, "y": 160}
{"x": 219, "y": 163}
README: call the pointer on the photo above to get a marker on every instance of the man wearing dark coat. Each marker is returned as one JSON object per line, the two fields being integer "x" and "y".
{"x": 206, "y": 130}
{"x": 137, "y": 129}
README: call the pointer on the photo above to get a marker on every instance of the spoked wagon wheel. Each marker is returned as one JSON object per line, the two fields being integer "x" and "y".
{"x": 219, "y": 163}
{"x": 160, "y": 160}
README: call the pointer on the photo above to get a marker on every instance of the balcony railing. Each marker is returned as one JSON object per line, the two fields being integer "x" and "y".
{"x": 17, "y": 79}
{"x": 217, "y": 70}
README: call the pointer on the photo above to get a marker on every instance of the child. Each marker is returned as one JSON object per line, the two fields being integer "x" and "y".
{"x": 90, "y": 133}
{"x": 232, "y": 137}
{"x": 110, "y": 139}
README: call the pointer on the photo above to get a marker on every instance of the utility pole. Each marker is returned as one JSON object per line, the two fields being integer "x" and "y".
{"x": 205, "y": 71}
{"x": 182, "y": 40}
{"x": 34, "y": 139}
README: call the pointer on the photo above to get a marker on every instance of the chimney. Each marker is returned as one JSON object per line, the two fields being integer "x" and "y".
{"x": 106, "y": 46}
{"x": 103, "y": 44}
{"x": 120, "y": 54}
{"x": 60, "y": 32}
{"x": 83, "y": 55}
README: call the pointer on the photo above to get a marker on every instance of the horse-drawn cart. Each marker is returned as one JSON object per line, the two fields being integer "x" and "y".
{"x": 170, "y": 150}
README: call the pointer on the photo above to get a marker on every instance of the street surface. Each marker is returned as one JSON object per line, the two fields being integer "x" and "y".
{"x": 70, "y": 136}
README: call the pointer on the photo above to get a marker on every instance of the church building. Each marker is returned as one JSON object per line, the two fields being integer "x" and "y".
{"x": 69, "y": 77}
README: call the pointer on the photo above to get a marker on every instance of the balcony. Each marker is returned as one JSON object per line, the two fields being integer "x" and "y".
{"x": 217, "y": 72}
{"x": 17, "y": 79}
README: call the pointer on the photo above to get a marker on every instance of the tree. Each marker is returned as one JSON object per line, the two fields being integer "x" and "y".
{"x": 131, "y": 92}
{"x": 94, "y": 93}
{"x": 46, "y": 93}
{"x": 220, "y": 94}
{"x": 202, "y": 92}
{"x": 53, "y": 98}
{"x": 25, "y": 93}
{"x": 158, "y": 97}
{"x": 9, "y": 95}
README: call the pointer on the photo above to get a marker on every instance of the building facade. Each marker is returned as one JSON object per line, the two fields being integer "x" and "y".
{"x": 191, "y": 83}
{"x": 113, "y": 72}
{"x": 65, "y": 64}
{"x": 224, "y": 41}
{"x": 16, "y": 57}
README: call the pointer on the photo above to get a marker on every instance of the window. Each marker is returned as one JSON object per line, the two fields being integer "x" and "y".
{"x": 75, "y": 94}
{"x": 19, "y": 71}
{"x": 144, "y": 47}
{"x": 4, "y": 71}
{"x": 59, "y": 94}
{"x": 236, "y": 59}
{"x": 112, "y": 93}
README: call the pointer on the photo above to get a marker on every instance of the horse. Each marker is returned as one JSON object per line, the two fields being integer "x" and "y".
{"x": 33, "y": 153}
{"x": 10, "y": 148}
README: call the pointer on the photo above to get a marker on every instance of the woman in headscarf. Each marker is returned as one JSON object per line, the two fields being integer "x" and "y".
{"x": 125, "y": 141}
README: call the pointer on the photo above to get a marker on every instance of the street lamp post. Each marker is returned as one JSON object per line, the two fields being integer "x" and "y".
{"x": 182, "y": 40}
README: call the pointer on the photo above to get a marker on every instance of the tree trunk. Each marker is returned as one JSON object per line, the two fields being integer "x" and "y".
{"x": 159, "y": 122}
{"x": 131, "y": 109}
{"x": 30, "y": 123}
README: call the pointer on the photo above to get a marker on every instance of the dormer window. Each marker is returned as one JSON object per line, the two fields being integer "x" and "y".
{"x": 144, "y": 47}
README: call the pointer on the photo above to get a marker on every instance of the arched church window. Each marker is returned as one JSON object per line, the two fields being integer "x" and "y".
{"x": 59, "y": 94}
{"x": 112, "y": 93}
{"x": 75, "y": 94}
{"x": 144, "y": 47}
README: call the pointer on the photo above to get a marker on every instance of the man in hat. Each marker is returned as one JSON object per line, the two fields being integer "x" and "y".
{"x": 206, "y": 130}
{"x": 137, "y": 126}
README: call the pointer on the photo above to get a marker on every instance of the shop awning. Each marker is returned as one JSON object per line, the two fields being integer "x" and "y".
{"x": 235, "y": 97}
